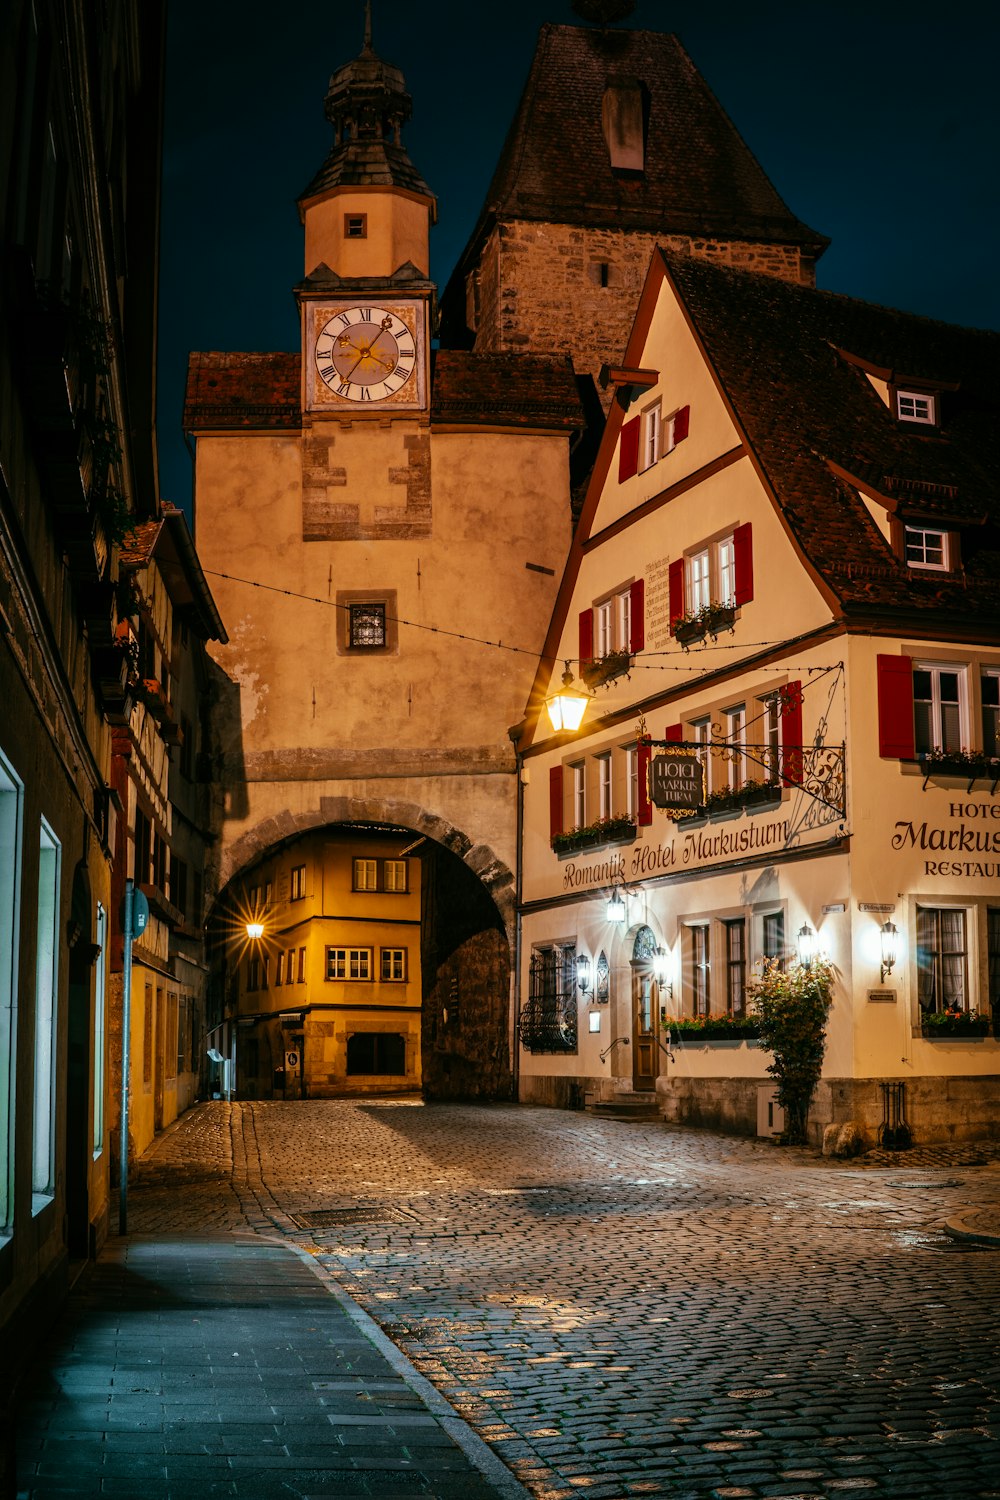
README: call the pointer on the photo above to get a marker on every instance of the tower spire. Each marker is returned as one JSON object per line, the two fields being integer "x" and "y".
{"x": 368, "y": 26}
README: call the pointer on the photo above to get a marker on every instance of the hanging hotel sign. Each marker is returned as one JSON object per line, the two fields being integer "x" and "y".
{"x": 677, "y": 780}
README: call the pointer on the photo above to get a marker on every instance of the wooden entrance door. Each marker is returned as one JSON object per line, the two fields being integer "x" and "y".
{"x": 644, "y": 1040}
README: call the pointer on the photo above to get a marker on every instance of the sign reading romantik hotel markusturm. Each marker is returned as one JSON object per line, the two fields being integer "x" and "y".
{"x": 677, "y": 781}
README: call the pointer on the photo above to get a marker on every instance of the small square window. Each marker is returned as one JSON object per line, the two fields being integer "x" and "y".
{"x": 926, "y": 548}
{"x": 915, "y": 406}
{"x": 355, "y": 226}
{"x": 367, "y": 626}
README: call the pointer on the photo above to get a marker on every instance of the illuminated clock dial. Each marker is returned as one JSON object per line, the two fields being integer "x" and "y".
{"x": 365, "y": 354}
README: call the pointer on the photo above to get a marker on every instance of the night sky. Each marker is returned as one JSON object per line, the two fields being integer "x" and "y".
{"x": 877, "y": 123}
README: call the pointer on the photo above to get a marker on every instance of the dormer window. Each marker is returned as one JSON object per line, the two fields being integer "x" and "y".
{"x": 927, "y": 547}
{"x": 916, "y": 406}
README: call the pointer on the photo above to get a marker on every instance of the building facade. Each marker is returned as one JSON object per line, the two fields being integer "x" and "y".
{"x": 79, "y": 170}
{"x": 784, "y": 582}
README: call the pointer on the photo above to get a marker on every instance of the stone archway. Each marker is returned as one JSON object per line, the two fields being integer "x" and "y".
{"x": 466, "y": 932}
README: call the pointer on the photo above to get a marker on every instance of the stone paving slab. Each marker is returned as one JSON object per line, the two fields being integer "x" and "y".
{"x": 191, "y": 1366}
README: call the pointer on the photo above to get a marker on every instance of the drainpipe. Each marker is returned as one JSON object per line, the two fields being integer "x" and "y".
{"x": 518, "y": 884}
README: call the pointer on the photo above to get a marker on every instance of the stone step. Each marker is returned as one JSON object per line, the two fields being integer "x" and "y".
{"x": 627, "y": 1106}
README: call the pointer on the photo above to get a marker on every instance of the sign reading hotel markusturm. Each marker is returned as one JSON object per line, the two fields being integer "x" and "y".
{"x": 677, "y": 781}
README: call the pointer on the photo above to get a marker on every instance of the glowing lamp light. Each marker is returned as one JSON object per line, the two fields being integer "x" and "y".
{"x": 616, "y": 906}
{"x": 567, "y": 707}
{"x": 890, "y": 947}
{"x": 806, "y": 940}
{"x": 255, "y": 930}
{"x": 661, "y": 960}
{"x": 583, "y": 972}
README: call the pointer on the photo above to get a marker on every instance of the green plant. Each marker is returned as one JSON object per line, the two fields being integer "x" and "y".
{"x": 791, "y": 1006}
{"x": 954, "y": 1023}
{"x": 600, "y": 832}
{"x": 713, "y": 1028}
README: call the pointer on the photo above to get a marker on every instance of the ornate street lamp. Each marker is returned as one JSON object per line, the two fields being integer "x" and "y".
{"x": 567, "y": 707}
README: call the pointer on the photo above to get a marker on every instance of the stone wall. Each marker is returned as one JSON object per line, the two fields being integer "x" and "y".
{"x": 552, "y": 287}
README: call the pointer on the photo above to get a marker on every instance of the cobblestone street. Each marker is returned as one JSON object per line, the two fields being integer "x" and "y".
{"x": 628, "y": 1309}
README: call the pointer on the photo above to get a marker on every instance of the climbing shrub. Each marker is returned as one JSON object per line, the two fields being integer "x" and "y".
{"x": 791, "y": 1006}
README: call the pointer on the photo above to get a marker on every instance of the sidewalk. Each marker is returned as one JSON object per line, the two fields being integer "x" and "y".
{"x": 188, "y": 1368}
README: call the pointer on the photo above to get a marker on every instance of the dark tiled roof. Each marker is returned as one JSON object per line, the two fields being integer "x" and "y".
{"x": 505, "y": 390}
{"x": 368, "y": 164}
{"x": 255, "y": 391}
{"x": 700, "y": 176}
{"x": 816, "y": 423}
{"x": 243, "y": 391}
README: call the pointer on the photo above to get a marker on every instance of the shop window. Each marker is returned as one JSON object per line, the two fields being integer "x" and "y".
{"x": 942, "y": 959}
{"x": 376, "y": 1054}
{"x": 43, "y": 1161}
{"x": 11, "y": 792}
{"x": 100, "y": 1026}
{"x": 548, "y": 1021}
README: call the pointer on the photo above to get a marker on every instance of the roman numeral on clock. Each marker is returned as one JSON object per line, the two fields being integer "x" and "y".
{"x": 327, "y": 372}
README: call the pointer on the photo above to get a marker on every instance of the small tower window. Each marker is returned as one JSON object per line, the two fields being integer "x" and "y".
{"x": 355, "y": 226}
{"x": 916, "y": 406}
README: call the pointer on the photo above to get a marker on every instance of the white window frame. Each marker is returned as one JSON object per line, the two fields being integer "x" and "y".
{"x": 297, "y": 883}
{"x": 938, "y": 910}
{"x": 990, "y": 712}
{"x": 632, "y": 780}
{"x": 365, "y": 874}
{"x": 736, "y": 740}
{"x": 349, "y": 965}
{"x": 578, "y": 792}
{"x": 651, "y": 433}
{"x": 916, "y": 406}
{"x": 393, "y": 965}
{"x": 698, "y": 580}
{"x": 604, "y": 793}
{"x": 918, "y": 538}
{"x": 701, "y": 733}
{"x": 725, "y": 562}
{"x": 392, "y": 871}
{"x": 936, "y": 669}
{"x": 604, "y": 628}
{"x": 701, "y": 968}
{"x": 623, "y": 621}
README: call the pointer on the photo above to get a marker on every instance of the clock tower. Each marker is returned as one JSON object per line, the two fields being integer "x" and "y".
{"x": 366, "y": 299}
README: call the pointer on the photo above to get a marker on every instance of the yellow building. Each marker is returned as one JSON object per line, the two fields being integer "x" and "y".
{"x": 327, "y": 973}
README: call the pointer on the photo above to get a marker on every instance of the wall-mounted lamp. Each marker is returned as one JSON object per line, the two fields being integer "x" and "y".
{"x": 567, "y": 707}
{"x": 583, "y": 972}
{"x": 616, "y": 906}
{"x": 806, "y": 941}
{"x": 661, "y": 964}
{"x": 255, "y": 930}
{"x": 890, "y": 941}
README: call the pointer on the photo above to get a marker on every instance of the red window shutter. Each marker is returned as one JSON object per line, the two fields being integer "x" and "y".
{"x": 682, "y": 423}
{"x": 637, "y": 625}
{"x": 791, "y": 734}
{"x": 675, "y": 577}
{"x": 628, "y": 450}
{"x": 895, "y": 708}
{"x": 555, "y": 801}
{"x": 586, "y": 635}
{"x": 743, "y": 558}
{"x": 644, "y": 812}
{"x": 674, "y": 734}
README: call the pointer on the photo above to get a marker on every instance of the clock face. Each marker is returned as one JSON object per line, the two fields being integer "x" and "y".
{"x": 365, "y": 354}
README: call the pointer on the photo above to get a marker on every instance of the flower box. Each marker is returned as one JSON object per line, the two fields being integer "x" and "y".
{"x": 686, "y": 631}
{"x": 604, "y": 831}
{"x": 596, "y": 673}
{"x": 936, "y": 1027}
{"x": 965, "y": 763}
{"x": 714, "y": 1028}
